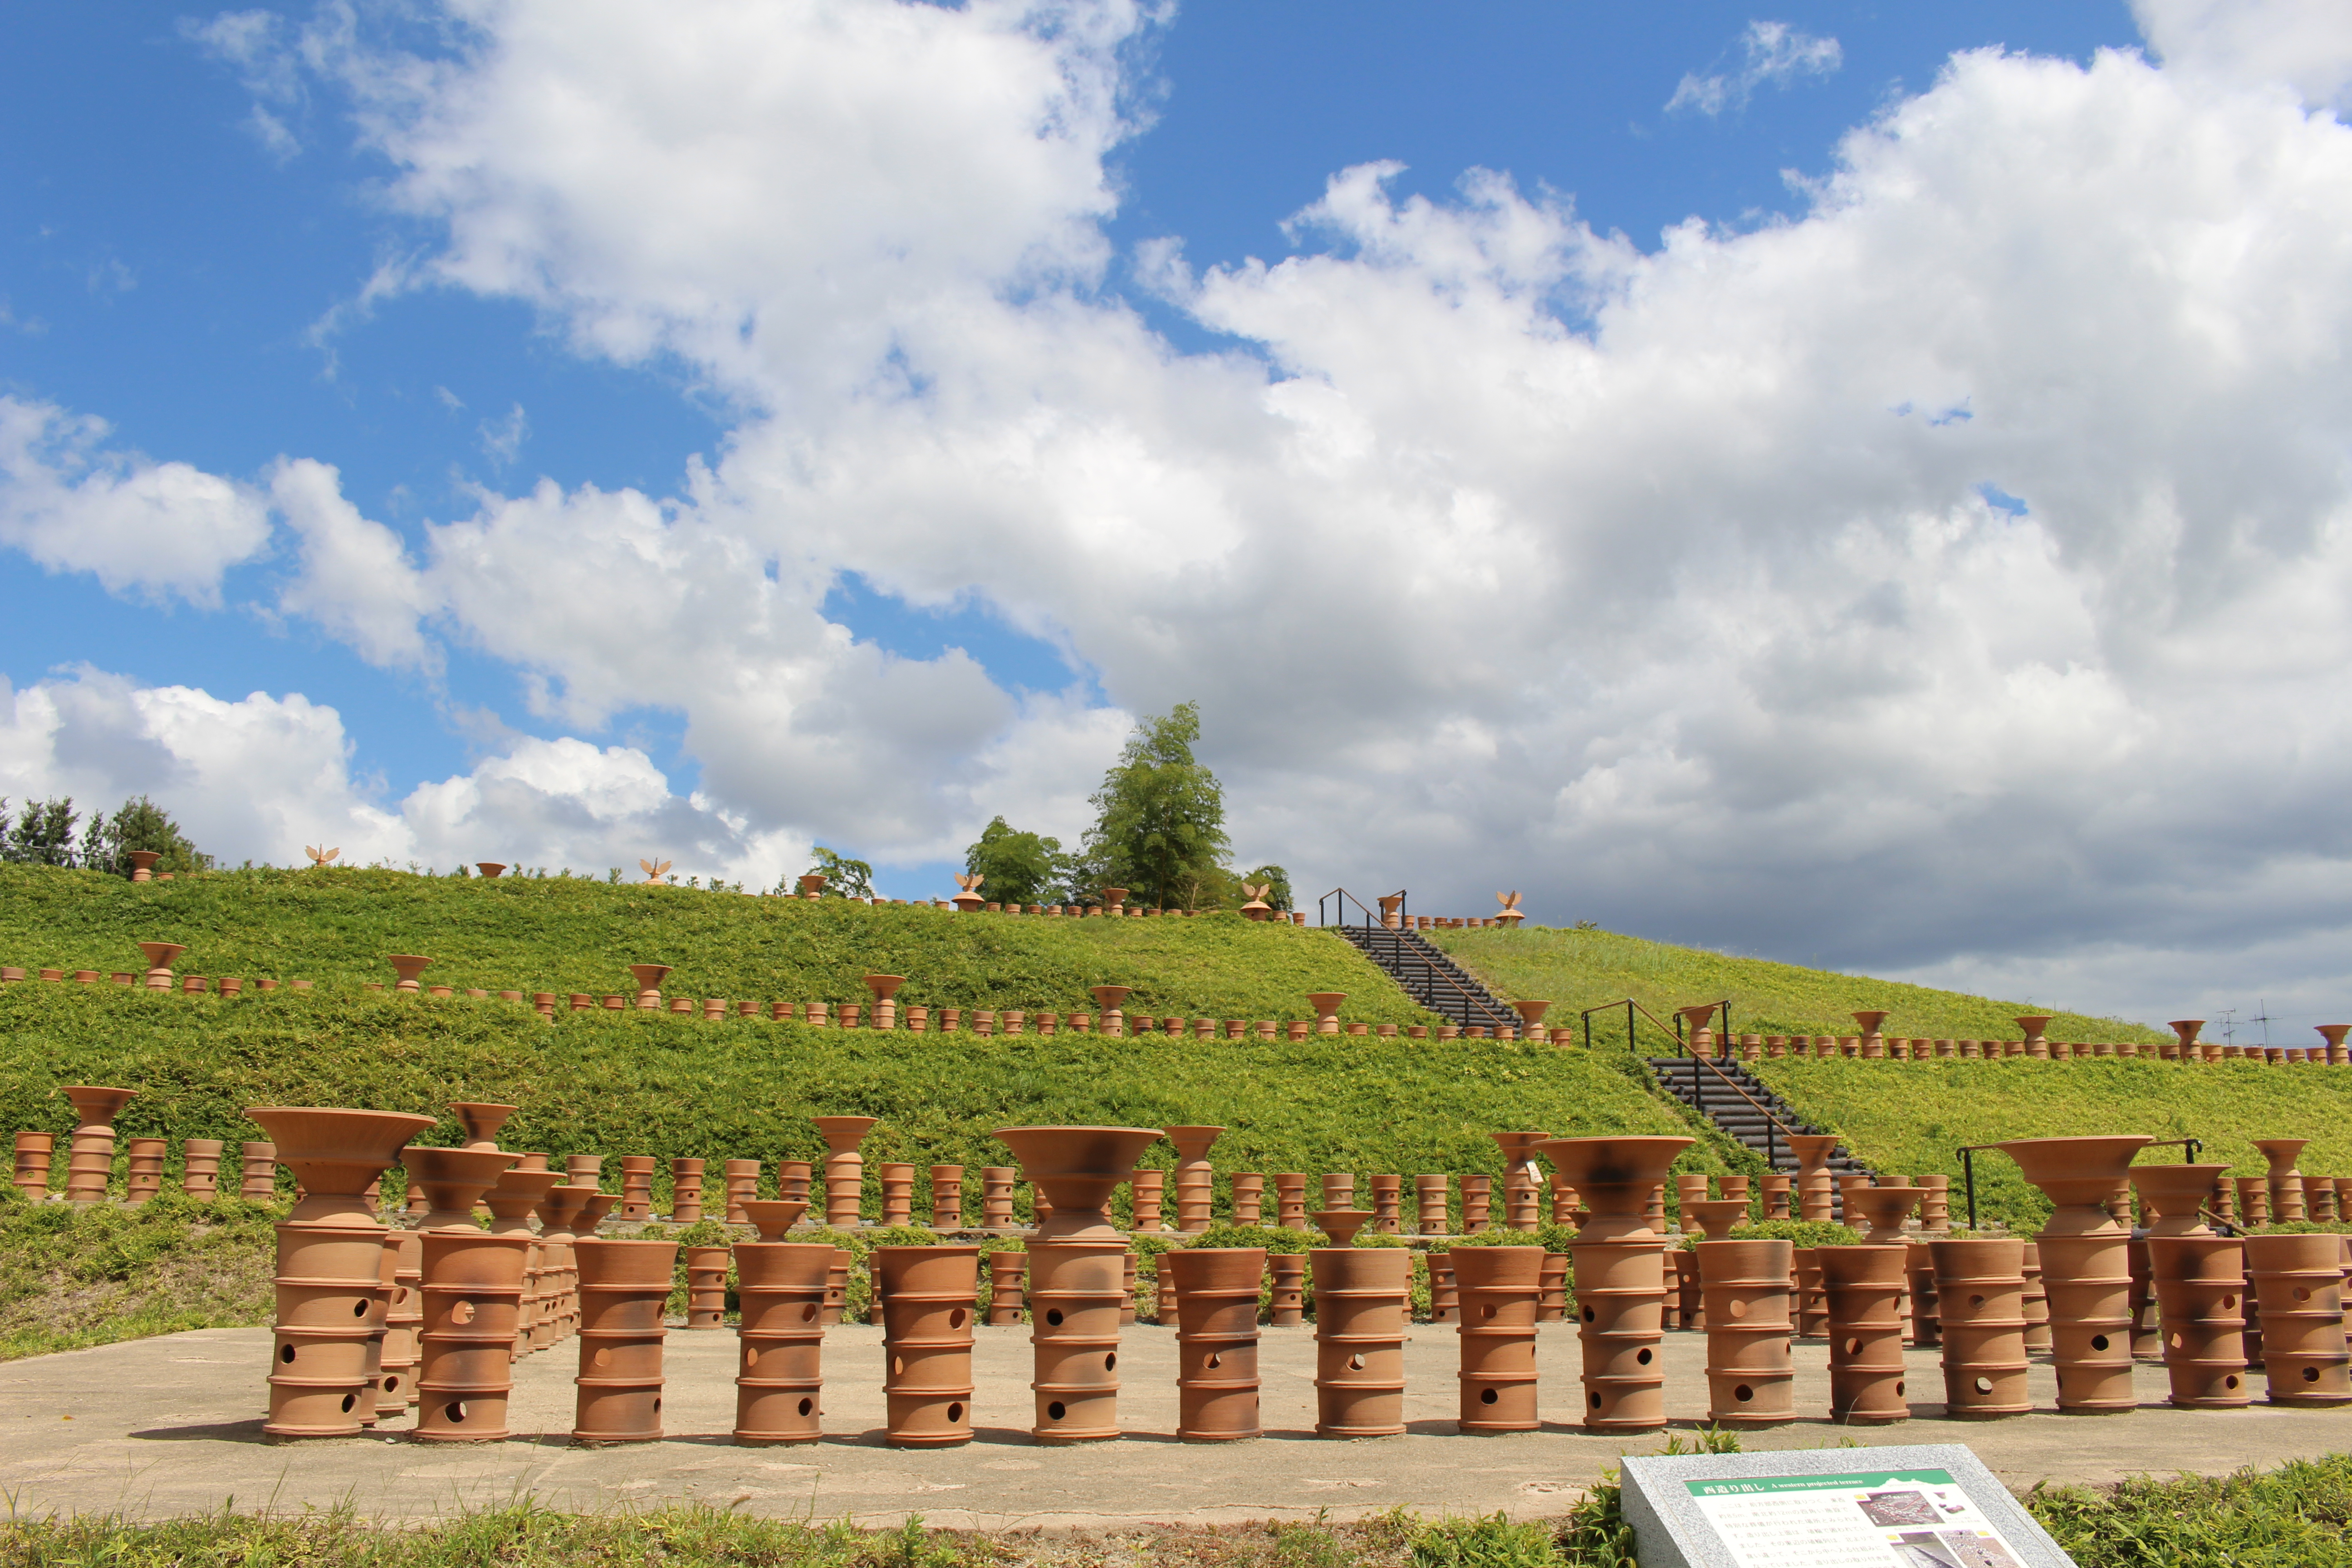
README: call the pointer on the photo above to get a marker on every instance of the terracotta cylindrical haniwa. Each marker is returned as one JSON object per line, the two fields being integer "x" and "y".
{"x": 2298, "y": 1282}
{"x": 330, "y": 1285}
{"x": 1477, "y": 1203}
{"x": 1216, "y": 1341}
{"x": 1816, "y": 1190}
{"x": 1498, "y": 1287}
{"x": 837, "y": 1287}
{"x": 1879, "y": 1211}
{"x": 1774, "y": 1188}
{"x": 1919, "y": 1287}
{"x": 583, "y": 1170}
{"x": 996, "y": 1184}
{"x": 473, "y": 1299}
{"x": 1362, "y": 1304}
{"x": 648, "y": 978}
{"x": 1523, "y": 1184}
{"x": 518, "y": 1196}
{"x": 1145, "y": 1190}
{"x": 144, "y": 1175}
{"x": 1864, "y": 1284}
{"x": 1714, "y": 1217}
{"x": 1286, "y": 1290}
{"x": 1291, "y": 1200}
{"x": 2086, "y": 1267}
{"x": 1551, "y": 1305}
{"x": 845, "y": 1168}
{"x": 90, "y": 1165}
{"x": 1619, "y": 1275}
{"x": 947, "y": 1199}
{"x": 636, "y": 1187}
{"x": 1196, "y": 1180}
{"x": 743, "y": 1179}
{"x": 563, "y": 1214}
{"x": 2253, "y": 1199}
{"x": 1077, "y": 1273}
{"x": 1750, "y": 1381}
{"x": 403, "y": 1316}
{"x": 1249, "y": 1198}
{"x": 928, "y": 1295}
{"x": 2285, "y": 1182}
{"x": 1007, "y": 1273}
{"x": 1444, "y": 1300}
{"x": 158, "y": 955}
{"x": 623, "y": 1287}
{"x": 685, "y": 1191}
{"x": 34, "y": 1152}
{"x": 1981, "y": 1307}
{"x": 897, "y": 1193}
{"x": 2037, "y": 1302}
{"x": 257, "y": 1173}
{"x": 1813, "y": 1304}
{"x": 2200, "y": 1293}
{"x": 200, "y": 1160}
{"x": 706, "y": 1287}
{"x": 1433, "y": 1202}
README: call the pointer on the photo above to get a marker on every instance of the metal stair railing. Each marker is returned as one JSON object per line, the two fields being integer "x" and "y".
{"x": 1338, "y": 899}
{"x": 1435, "y": 973}
{"x": 1772, "y": 1159}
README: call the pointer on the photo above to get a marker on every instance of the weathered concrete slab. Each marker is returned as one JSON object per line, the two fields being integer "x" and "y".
{"x": 173, "y": 1425}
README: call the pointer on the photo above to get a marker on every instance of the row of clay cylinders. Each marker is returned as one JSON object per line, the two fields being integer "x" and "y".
{"x": 473, "y": 1288}
{"x": 199, "y": 1169}
{"x": 1620, "y": 1274}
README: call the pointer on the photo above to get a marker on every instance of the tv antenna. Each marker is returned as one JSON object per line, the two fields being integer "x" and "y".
{"x": 2229, "y": 1026}
{"x": 2263, "y": 1017}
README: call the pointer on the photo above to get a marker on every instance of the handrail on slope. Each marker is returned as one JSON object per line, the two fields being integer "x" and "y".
{"x": 1770, "y": 1120}
{"x": 1631, "y": 1007}
{"x": 1967, "y": 1153}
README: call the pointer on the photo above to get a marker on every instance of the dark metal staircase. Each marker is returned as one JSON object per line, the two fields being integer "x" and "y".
{"x": 1739, "y": 1104}
{"x": 1431, "y": 978}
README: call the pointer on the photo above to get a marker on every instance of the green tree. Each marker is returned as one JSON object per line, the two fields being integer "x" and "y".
{"x": 44, "y": 834}
{"x": 1159, "y": 823}
{"x": 850, "y": 878}
{"x": 1276, "y": 882}
{"x": 1018, "y": 868}
{"x": 139, "y": 824}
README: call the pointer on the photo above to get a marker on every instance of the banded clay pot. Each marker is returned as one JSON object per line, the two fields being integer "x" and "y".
{"x": 329, "y": 1284}
{"x": 1750, "y": 1381}
{"x": 2285, "y": 1181}
{"x": 159, "y": 956}
{"x": 200, "y": 1160}
{"x": 1522, "y": 1184}
{"x": 706, "y": 1287}
{"x": 2087, "y": 1270}
{"x": 928, "y": 1295}
{"x": 685, "y": 1191}
{"x": 407, "y": 970}
{"x": 518, "y": 1195}
{"x": 649, "y": 977}
{"x": 1981, "y": 1307}
{"x": 453, "y": 1181}
{"x": 2200, "y": 1293}
{"x": 1327, "y": 1010}
{"x": 780, "y": 1291}
{"x": 947, "y": 1199}
{"x": 884, "y": 990}
{"x": 1291, "y": 1200}
{"x": 1286, "y": 1290}
{"x": 1433, "y": 1204}
{"x": 91, "y": 1163}
{"x": 773, "y": 1218}
{"x": 624, "y": 1286}
{"x": 1815, "y": 1188}
{"x": 2037, "y": 1045}
{"x": 897, "y": 1193}
{"x": 2298, "y": 1283}
{"x": 742, "y": 1179}
{"x": 2173, "y": 1197}
{"x": 1477, "y": 1203}
{"x": 35, "y": 1153}
{"x": 473, "y": 1309}
{"x": 845, "y": 1168}
{"x": 1339, "y": 1190}
{"x": 143, "y": 1177}
{"x": 1146, "y": 1188}
{"x": 1714, "y": 1217}
{"x": 1881, "y": 1210}
{"x": 996, "y": 1184}
{"x": 1216, "y": 1341}
{"x": 1109, "y": 998}
{"x": 1775, "y": 1189}
{"x": 2334, "y": 1035}
{"x": 1249, "y": 1198}
{"x": 404, "y": 1317}
{"x": 1552, "y": 1305}
{"x": 1195, "y": 1181}
{"x": 481, "y": 1121}
{"x": 636, "y": 1187}
{"x": 1619, "y": 1275}
{"x": 1444, "y": 1300}
{"x": 257, "y": 1173}
{"x": 1498, "y": 1286}
{"x": 1934, "y": 1203}
{"x": 1864, "y": 1285}
{"x": 1362, "y": 1304}
{"x": 1812, "y": 1305}
{"x": 142, "y": 863}
{"x": 1007, "y": 1274}
{"x": 1919, "y": 1279}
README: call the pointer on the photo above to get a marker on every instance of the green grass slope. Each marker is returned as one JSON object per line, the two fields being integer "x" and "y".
{"x": 1581, "y": 969}
{"x": 645, "y": 1083}
{"x": 73, "y": 1276}
{"x": 572, "y": 934}
{"x": 1910, "y": 1118}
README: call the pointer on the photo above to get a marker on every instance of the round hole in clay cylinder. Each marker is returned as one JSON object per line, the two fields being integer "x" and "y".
{"x": 2175, "y": 1342}
{"x": 453, "y": 1410}
{"x": 603, "y": 1358}
{"x": 1737, "y": 1309}
{"x": 1596, "y": 1401}
{"x": 1743, "y": 1393}
{"x": 358, "y": 1309}
{"x": 1488, "y": 1396}
{"x": 1984, "y": 1386}
{"x": 1854, "y": 1347}
{"x": 1975, "y": 1300}
{"x": 352, "y": 1399}
{"x": 1644, "y": 1356}
{"x": 1215, "y": 1362}
{"x": 1055, "y": 1410}
{"x": 808, "y": 1313}
{"x": 1898, "y": 1388}
{"x": 2227, "y": 1302}
{"x": 2098, "y": 1341}
{"x": 1490, "y": 1309}
{"x": 898, "y": 1366}
{"x": 463, "y": 1312}
{"x": 2302, "y": 1293}
{"x": 2230, "y": 1381}
{"x": 955, "y": 1410}
{"x": 1110, "y": 1361}
{"x": 286, "y": 1352}
{"x": 808, "y": 1405}
{"x": 392, "y": 1385}
{"x": 955, "y": 1318}
{"x": 2311, "y": 1374}
{"x": 1588, "y": 1314}
{"x": 1054, "y": 1316}
{"x": 1355, "y": 1363}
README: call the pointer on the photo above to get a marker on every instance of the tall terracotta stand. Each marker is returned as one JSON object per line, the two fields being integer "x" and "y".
{"x": 1434, "y": 1203}
{"x": 897, "y": 1193}
{"x": 623, "y": 1287}
{"x": 685, "y": 1191}
{"x": 331, "y": 1296}
{"x": 2086, "y": 1267}
{"x": 1865, "y": 1295}
{"x": 1286, "y": 1290}
{"x": 1619, "y": 1276}
{"x": 742, "y": 1178}
{"x": 1006, "y": 1272}
{"x": 91, "y": 1164}
{"x": 34, "y": 1152}
{"x": 706, "y": 1287}
{"x": 1145, "y": 1190}
{"x": 1816, "y": 1191}
{"x": 1477, "y": 1203}
{"x": 1195, "y": 1181}
{"x": 1362, "y": 1304}
{"x": 1249, "y": 1198}
{"x": 1498, "y": 1287}
{"x": 200, "y": 1162}
{"x": 928, "y": 1295}
{"x": 473, "y": 1298}
{"x": 636, "y": 1188}
{"x": 1750, "y": 1381}
{"x": 2298, "y": 1283}
{"x": 403, "y": 1315}
{"x": 2200, "y": 1279}
{"x": 257, "y": 1173}
{"x": 159, "y": 955}
{"x": 1216, "y": 1341}
{"x": 845, "y": 1168}
{"x": 780, "y": 1291}
{"x": 947, "y": 1199}
{"x": 1522, "y": 1186}
{"x": 1077, "y": 1274}
{"x": 1980, "y": 1301}
{"x": 517, "y": 1196}
{"x": 996, "y": 1184}
{"x": 144, "y": 1175}
{"x": 2284, "y": 1182}
{"x": 1290, "y": 1199}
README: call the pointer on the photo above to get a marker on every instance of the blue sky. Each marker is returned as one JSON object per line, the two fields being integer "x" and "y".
{"x": 680, "y": 442}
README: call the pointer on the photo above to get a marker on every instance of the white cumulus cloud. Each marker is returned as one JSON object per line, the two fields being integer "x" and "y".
{"x": 1773, "y": 53}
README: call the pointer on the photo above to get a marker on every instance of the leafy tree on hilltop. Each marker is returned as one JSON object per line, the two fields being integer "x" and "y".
{"x": 850, "y": 878}
{"x": 1018, "y": 868}
{"x": 44, "y": 834}
{"x": 1159, "y": 828}
{"x": 139, "y": 824}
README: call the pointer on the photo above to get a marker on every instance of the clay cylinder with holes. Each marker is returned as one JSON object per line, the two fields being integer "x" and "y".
{"x": 1216, "y": 1341}
{"x": 1775, "y": 1192}
{"x": 1291, "y": 1200}
{"x": 1552, "y": 1305}
{"x": 1750, "y": 1381}
{"x": 1076, "y": 1290}
{"x": 1432, "y": 1199}
{"x": 836, "y": 1287}
{"x": 473, "y": 1299}
{"x": 1363, "y": 1298}
{"x": 1006, "y": 1272}
{"x": 1477, "y": 1204}
{"x": 1621, "y": 1300}
{"x": 779, "y": 1385}
{"x": 928, "y": 1294}
{"x": 1286, "y": 1290}
{"x": 1919, "y": 1280}
{"x": 257, "y": 1173}
{"x": 947, "y": 1199}
{"x": 1813, "y": 1307}
{"x": 2201, "y": 1299}
{"x": 1445, "y": 1301}
{"x": 200, "y": 1160}
{"x": 706, "y": 1287}
{"x": 685, "y": 1191}
{"x": 2299, "y": 1284}
{"x": 144, "y": 1176}
{"x": 389, "y": 1389}
{"x": 1865, "y": 1285}
{"x": 996, "y": 1183}
{"x": 403, "y": 1316}
{"x": 897, "y": 1192}
{"x": 1981, "y": 1316}
{"x": 1498, "y": 1288}
{"x": 743, "y": 1182}
{"x": 35, "y": 1151}
{"x": 1388, "y": 1204}
{"x": 636, "y": 1187}
{"x": 2088, "y": 1282}
{"x": 1249, "y": 1198}
{"x": 1149, "y": 1189}
{"x": 624, "y": 1286}
{"x": 331, "y": 1307}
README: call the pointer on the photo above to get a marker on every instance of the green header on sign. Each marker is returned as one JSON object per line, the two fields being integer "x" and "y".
{"x": 1750, "y": 1486}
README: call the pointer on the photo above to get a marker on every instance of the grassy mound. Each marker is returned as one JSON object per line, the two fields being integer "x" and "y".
{"x": 73, "y": 1277}
{"x": 1580, "y": 969}
{"x": 1911, "y": 1117}
{"x": 572, "y": 934}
